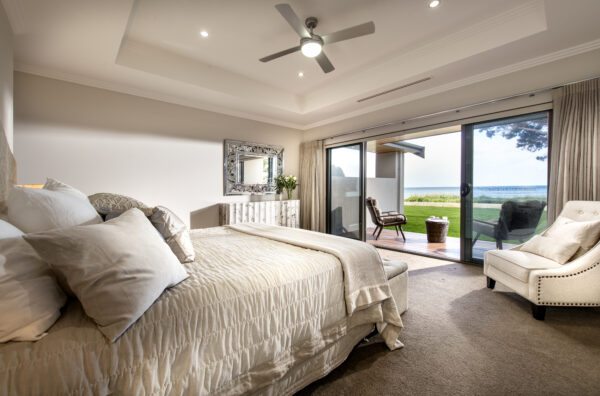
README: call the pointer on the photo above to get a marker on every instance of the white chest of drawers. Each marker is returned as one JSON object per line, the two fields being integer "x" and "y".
{"x": 283, "y": 213}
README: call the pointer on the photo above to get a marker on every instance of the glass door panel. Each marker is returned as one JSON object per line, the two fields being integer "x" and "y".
{"x": 508, "y": 194}
{"x": 345, "y": 186}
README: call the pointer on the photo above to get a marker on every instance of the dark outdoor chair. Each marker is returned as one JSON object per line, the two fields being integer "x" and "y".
{"x": 385, "y": 219}
{"x": 517, "y": 221}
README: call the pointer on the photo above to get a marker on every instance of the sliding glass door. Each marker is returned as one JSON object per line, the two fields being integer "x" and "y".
{"x": 345, "y": 197}
{"x": 504, "y": 190}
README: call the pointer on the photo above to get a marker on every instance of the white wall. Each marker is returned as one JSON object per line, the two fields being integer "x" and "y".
{"x": 159, "y": 153}
{"x": 385, "y": 191}
{"x": 6, "y": 77}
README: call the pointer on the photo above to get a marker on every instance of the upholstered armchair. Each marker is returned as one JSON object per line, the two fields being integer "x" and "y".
{"x": 384, "y": 219}
{"x": 545, "y": 282}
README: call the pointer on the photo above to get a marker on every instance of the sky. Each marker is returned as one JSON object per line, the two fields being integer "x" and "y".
{"x": 497, "y": 162}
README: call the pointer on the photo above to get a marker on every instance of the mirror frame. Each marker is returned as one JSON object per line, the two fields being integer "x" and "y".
{"x": 232, "y": 149}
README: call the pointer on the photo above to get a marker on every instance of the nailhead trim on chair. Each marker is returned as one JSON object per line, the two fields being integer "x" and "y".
{"x": 565, "y": 276}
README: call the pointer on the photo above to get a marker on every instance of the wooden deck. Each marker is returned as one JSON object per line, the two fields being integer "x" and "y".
{"x": 417, "y": 243}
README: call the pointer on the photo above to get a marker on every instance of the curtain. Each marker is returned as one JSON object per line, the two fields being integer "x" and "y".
{"x": 575, "y": 146}
{"x": 312, "y": 186}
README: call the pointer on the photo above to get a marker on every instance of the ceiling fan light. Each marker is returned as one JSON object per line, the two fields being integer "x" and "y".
{"x": 311, "y": 48}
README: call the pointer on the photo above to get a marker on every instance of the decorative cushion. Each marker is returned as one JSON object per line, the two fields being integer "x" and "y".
{"x": 586, "y": 233}
{"x": 106, "y": 203}
{"x": 175, "y": 232}
{"x": 31, "y": 298}
{"x": 553, "y": 248}
{"x": 33, "y": 210}
{"x": 116, "y": 269}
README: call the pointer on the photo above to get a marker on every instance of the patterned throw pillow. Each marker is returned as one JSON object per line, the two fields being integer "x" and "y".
{"x": 175, "y": 232}
{"x": 106, "y": 203}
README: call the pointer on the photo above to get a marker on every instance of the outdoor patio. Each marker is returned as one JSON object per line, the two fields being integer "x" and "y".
{"x": 417, "y": 243}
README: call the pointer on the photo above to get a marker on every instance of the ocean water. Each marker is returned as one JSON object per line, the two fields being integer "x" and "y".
{"x": 487, "y": 191}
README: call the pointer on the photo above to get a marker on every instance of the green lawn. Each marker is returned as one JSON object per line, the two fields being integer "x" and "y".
{"x": 416, "y": 216}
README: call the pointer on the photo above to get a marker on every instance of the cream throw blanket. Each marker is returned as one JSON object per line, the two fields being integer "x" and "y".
{"x": 366, "y": 288}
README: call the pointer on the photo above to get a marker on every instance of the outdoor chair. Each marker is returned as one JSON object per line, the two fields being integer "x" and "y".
{"x": 517, "y": 221}
{"x": 385, "y": 219}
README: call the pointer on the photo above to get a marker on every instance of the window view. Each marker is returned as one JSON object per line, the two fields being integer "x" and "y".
{"x": 510, "y": 171}
{"x": 414, "y": 186}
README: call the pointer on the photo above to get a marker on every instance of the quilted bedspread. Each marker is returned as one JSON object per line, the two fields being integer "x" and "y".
{"x": 255, "y": 316}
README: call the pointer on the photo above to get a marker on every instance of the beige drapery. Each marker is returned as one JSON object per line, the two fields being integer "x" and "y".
{"x": 575, "y": 148}
{"x": 312, "y": 186}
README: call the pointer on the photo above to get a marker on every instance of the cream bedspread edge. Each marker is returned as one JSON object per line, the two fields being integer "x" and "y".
{"x": 365, "y": 284}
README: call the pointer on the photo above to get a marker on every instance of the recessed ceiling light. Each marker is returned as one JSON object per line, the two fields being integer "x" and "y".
{"x": 434, "y": 3}
{"x": 300, "y": 74}
{"x": 204, "y": 33}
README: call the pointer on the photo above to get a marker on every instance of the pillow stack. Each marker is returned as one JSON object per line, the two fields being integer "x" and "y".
{"x": 174, "y": 231}
{"x": 117, "y": 268}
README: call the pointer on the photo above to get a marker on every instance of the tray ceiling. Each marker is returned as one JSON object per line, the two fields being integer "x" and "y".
{"x": 153, "y": 48}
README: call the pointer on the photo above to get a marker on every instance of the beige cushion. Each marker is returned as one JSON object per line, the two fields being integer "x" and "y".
{"x": 394, "y": 268}
{"x": 175, "y": 232}
{"x": 586, "y": 233}
{"x": 33, "y": 210}
{"x": 553, "y": 248}
{"x": 516, "y": 263}
{"x": 30, "y": 296}
{"x": 106, "y": 203}
{"x": 116, "y": 269}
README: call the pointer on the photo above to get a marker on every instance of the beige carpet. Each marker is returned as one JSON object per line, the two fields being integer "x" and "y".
{"x": 464, "y": 339}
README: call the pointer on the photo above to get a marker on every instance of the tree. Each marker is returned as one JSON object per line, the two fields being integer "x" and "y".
{"x": 531, "y": 135}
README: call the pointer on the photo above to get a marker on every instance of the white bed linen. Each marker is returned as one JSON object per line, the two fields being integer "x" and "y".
{"x": 255, "y": 315}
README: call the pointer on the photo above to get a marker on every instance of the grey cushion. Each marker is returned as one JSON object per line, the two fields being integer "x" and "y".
{"x": 106, "y": 203}
{"x": 175, "y": 232}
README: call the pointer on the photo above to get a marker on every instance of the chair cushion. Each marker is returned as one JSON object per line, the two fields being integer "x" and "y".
{"x": 516, "y": 263}
{"x": 394, "y": 268}
{"x": 393, "y": 219}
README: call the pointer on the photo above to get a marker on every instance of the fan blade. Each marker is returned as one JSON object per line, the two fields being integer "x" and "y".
{"x": 346, "y": 34}
{"x": 290, "y": 16}
{"x": 324, "y": 62}
{"x": 280, "y": 54}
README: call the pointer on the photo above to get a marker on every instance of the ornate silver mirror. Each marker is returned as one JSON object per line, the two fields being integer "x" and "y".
{"x": 251, "y": 168}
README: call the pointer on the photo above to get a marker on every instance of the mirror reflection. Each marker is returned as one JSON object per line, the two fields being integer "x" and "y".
{"x": 255, "y": 169}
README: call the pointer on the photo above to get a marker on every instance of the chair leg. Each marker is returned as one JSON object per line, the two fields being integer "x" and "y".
{"x": 538, "y": 311}
{"x": 499, "y": 244}
{"x": 375, "y": 231}
{"x": 379, "y": 233}
{"x": 396, "y": 226}
{"x": 402, "y": 232}
{"x": 476, "y": 238}
{"x": 491, "y": 283}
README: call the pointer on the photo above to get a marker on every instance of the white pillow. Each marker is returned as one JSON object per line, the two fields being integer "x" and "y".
{"x": 586, "y": 233}
{"x": 34, "y": 210}
{"x": 553, "y": 248}
{"x": 56, "y": 185}
{"x": 116, "y": 269}
{"x": 30, "y": 297}
{"x": 8, "y": 230}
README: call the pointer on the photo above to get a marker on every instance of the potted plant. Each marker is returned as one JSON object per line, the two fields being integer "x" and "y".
{"x": 287, "y": 183}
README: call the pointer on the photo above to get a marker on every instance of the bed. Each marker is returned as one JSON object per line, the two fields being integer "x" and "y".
{"x": 259, "y": 314}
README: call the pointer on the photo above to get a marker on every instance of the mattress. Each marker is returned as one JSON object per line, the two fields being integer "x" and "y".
{"x": 255, "y": 316}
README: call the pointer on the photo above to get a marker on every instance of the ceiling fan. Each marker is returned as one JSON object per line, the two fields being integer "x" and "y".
{"x": 312, "y": 44}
